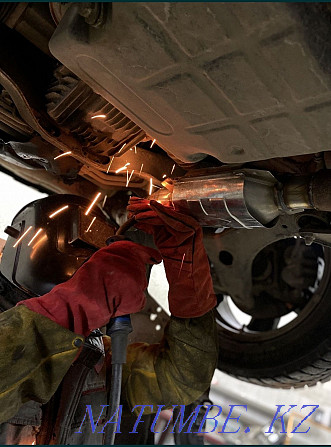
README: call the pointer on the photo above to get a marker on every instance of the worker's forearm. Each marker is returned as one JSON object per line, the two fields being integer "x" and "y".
{"x": 187, "y": 359}
{"x": 35, "y": 354}
{"x": 178, "y": 370}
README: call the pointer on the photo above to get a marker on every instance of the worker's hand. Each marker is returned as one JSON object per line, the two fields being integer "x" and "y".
{"x": 110, "y": 284}
{"x": 179, "y": 239}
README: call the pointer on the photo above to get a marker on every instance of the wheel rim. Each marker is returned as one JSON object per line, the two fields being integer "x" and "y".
{"x": 236, "y": 324}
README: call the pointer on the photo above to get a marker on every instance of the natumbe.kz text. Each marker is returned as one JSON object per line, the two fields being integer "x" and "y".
{"x": 189, "y": 425}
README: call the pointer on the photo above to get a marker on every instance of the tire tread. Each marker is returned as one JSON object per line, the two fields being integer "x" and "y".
{"x": 318, "y": 371}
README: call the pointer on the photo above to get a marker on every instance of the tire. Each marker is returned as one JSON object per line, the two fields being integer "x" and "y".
{"x": 295, "y": 355}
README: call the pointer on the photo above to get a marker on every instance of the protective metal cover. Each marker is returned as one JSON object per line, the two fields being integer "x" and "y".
{"x": 238, "y": 81}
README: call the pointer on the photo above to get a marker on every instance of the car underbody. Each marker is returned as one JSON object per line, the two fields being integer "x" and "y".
{"x": 141, "y": 98}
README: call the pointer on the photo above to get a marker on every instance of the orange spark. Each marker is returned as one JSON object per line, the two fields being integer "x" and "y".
{"x": 135, "y": 149}
{"x": 141, "y": 167}
{"x": 122, "y": 148}
{"x": 104, "y": 201}
{"x": 128, "y": 181}
{"x": 164, "y": 175}
{"x": 34, "y": 237}
{"x": 58, "y": 211}
{"x": 93, "y": 202}
{"x": 153, "y": 143}
{"x": 23, "y": 235}
{"x": 98, "y": 116}
{"x": 173, "y": 168}
{"x": 92, "y": 222}
{"x": 62, "y": 155}
{"x": 122, "y": 168}
{"x": 181, "y": 265}
{"x": 111, "y": 161}
{"x": 150, "y": 186}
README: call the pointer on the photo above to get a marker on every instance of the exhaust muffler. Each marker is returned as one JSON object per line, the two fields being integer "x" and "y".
{"x": 246, "y": 198}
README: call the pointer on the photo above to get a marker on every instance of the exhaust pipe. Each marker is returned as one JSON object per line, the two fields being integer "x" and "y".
{"x": 245, "y": 198}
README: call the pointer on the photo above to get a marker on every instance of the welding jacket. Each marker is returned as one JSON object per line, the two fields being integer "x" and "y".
{"x": 36, "y": 354}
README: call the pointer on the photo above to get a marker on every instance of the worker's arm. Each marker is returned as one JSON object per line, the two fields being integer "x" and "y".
{"x": 35, "y": 354}
{"x": 178, "y": 370}
{"x": 37, "y": 338}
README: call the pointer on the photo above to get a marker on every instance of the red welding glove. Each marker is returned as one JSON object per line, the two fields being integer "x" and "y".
{"x": 110, "y": 284}
{"x": 179, "y": 239}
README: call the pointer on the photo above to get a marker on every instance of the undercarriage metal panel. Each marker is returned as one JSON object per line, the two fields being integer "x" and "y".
{"x": 238, "y": 81}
